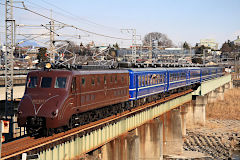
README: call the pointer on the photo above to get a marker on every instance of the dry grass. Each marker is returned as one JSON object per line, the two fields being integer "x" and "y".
{"x": 229, "y": 108}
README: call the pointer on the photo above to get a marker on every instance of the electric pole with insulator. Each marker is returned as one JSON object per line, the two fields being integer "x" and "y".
{"x": 8, "y": 55}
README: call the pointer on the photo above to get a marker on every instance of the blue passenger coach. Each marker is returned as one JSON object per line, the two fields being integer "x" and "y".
{"x": 194, "y": 75}
{"x": 146, "y": 82}
{"x": 150, "y": 81}
{"x": 178, "y": 77}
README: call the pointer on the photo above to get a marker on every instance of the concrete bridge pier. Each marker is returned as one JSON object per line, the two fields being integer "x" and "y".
{"x": 124, "y": 147}
{"x": 172, "y": 131}
{"x": 199, "y": 109}
{"x": 228, "y": 86}
{"x": 151, "y": 140}
{"x": 190, "y": 113}
{"x": 220, "y": 92}
{"x": 212, "y": 96}
{"x": 183, "y": 112}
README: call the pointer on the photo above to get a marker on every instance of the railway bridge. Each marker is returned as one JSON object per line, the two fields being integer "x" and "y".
{"x": 128, "y": 135}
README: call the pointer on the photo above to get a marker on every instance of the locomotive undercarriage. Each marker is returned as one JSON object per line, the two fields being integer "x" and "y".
{"x": 95, "y": 115}
{"x": 36, "y": 126}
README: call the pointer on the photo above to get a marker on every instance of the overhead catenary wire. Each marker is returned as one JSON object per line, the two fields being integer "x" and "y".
{"x": 90, "y": 32}
{"x": 72, "y": 16}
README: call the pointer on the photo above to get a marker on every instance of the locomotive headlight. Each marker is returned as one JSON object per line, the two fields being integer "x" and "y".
{"x": 48, "y": 65}
{"x": 55, "y": 113}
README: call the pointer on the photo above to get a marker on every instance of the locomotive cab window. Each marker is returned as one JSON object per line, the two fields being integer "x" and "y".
{"x": 46, "y": 82}
{"x": 32, "y": 82}
{"x": 60, "y": 82}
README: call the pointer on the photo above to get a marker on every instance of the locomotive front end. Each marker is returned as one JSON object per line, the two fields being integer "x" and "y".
{"x": 44, "y": 96}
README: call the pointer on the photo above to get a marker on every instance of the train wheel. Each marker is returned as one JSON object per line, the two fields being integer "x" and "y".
{"x": 30, "y": 131}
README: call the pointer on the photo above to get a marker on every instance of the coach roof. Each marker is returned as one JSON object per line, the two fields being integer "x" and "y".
{"x": 84, "y": 72}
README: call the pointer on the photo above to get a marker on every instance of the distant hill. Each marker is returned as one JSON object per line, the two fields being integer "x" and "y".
{"x": 29, "y": 43}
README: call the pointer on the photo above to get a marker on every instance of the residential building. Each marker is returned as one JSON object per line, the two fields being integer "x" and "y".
{"x": 237, "y": 41}
{"x": 209, "y": 43}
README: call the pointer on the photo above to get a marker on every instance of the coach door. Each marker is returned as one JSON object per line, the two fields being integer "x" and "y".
{"x": 188, "y": 77}
{"x": 105, "y": 85}
{"x": 74, "y": 92}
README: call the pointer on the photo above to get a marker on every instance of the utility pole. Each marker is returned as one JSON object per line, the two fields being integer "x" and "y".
{"x": 134, "y": 43}
{"x": 51, "y": 47}
{"x": 9, "y": 35}
{"x": 204, "y": 56}
{"x": 190, "y": 50}
{"x": 150, "y": 53}
{"x": 8, "y": 55}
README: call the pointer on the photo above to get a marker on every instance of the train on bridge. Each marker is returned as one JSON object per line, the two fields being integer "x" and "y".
{"x": 57, "y": 100}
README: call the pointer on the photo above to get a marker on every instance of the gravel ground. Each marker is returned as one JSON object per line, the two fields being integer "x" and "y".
{"x": 216, "y": 140}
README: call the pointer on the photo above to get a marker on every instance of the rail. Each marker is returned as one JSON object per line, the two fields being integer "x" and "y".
{"x": 29, "y": 144}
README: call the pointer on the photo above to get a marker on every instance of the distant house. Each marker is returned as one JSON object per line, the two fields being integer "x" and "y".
{"x": 237, "y": 41}
{"x": 209, "y": 43}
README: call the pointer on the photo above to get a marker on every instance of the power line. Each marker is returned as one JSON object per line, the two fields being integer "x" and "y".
{"x": 77, "y": 17}
{"x": 90, "y": 32}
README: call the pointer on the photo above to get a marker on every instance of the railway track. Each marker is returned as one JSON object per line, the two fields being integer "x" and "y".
{"x": 14, "y": 149}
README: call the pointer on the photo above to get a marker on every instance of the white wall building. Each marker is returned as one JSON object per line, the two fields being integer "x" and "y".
{"x": 237, "y": 41}
{"x": 209, "y": 43}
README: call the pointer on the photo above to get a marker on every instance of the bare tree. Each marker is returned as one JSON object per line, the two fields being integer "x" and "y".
{"x": 163, "y": 40}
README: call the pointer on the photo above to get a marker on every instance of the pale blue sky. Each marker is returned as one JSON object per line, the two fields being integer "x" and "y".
{"x": 181, "y": 20}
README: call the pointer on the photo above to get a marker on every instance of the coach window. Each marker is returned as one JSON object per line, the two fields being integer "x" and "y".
{"x": 32, "y": 82}
{"x": 82, "y": 99}
{"x": 60, "y": 82}
{"x": 149, "y": 79}
{"x": 122, "y": 79}
{"x": 93, "y": 81}
{"x": 98, "y": 80}
{"x": 83, "y": 81}
{"x": 115, "y": 78}
{"x": 143, "y": 80}
{"x": 92, "y": 97}
{"x": 171, "y": 77}
{"x": 153, "y": 79}
{"x": 87, "y": 98}
{"x": 139, "y": 81}
{"x": 46, "y": 82}
{"x": 111, "y": 78}
{"x": 105, "y": 80}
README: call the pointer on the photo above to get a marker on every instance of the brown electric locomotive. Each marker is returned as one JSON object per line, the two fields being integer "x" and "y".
{"x": 56, "y": 100}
